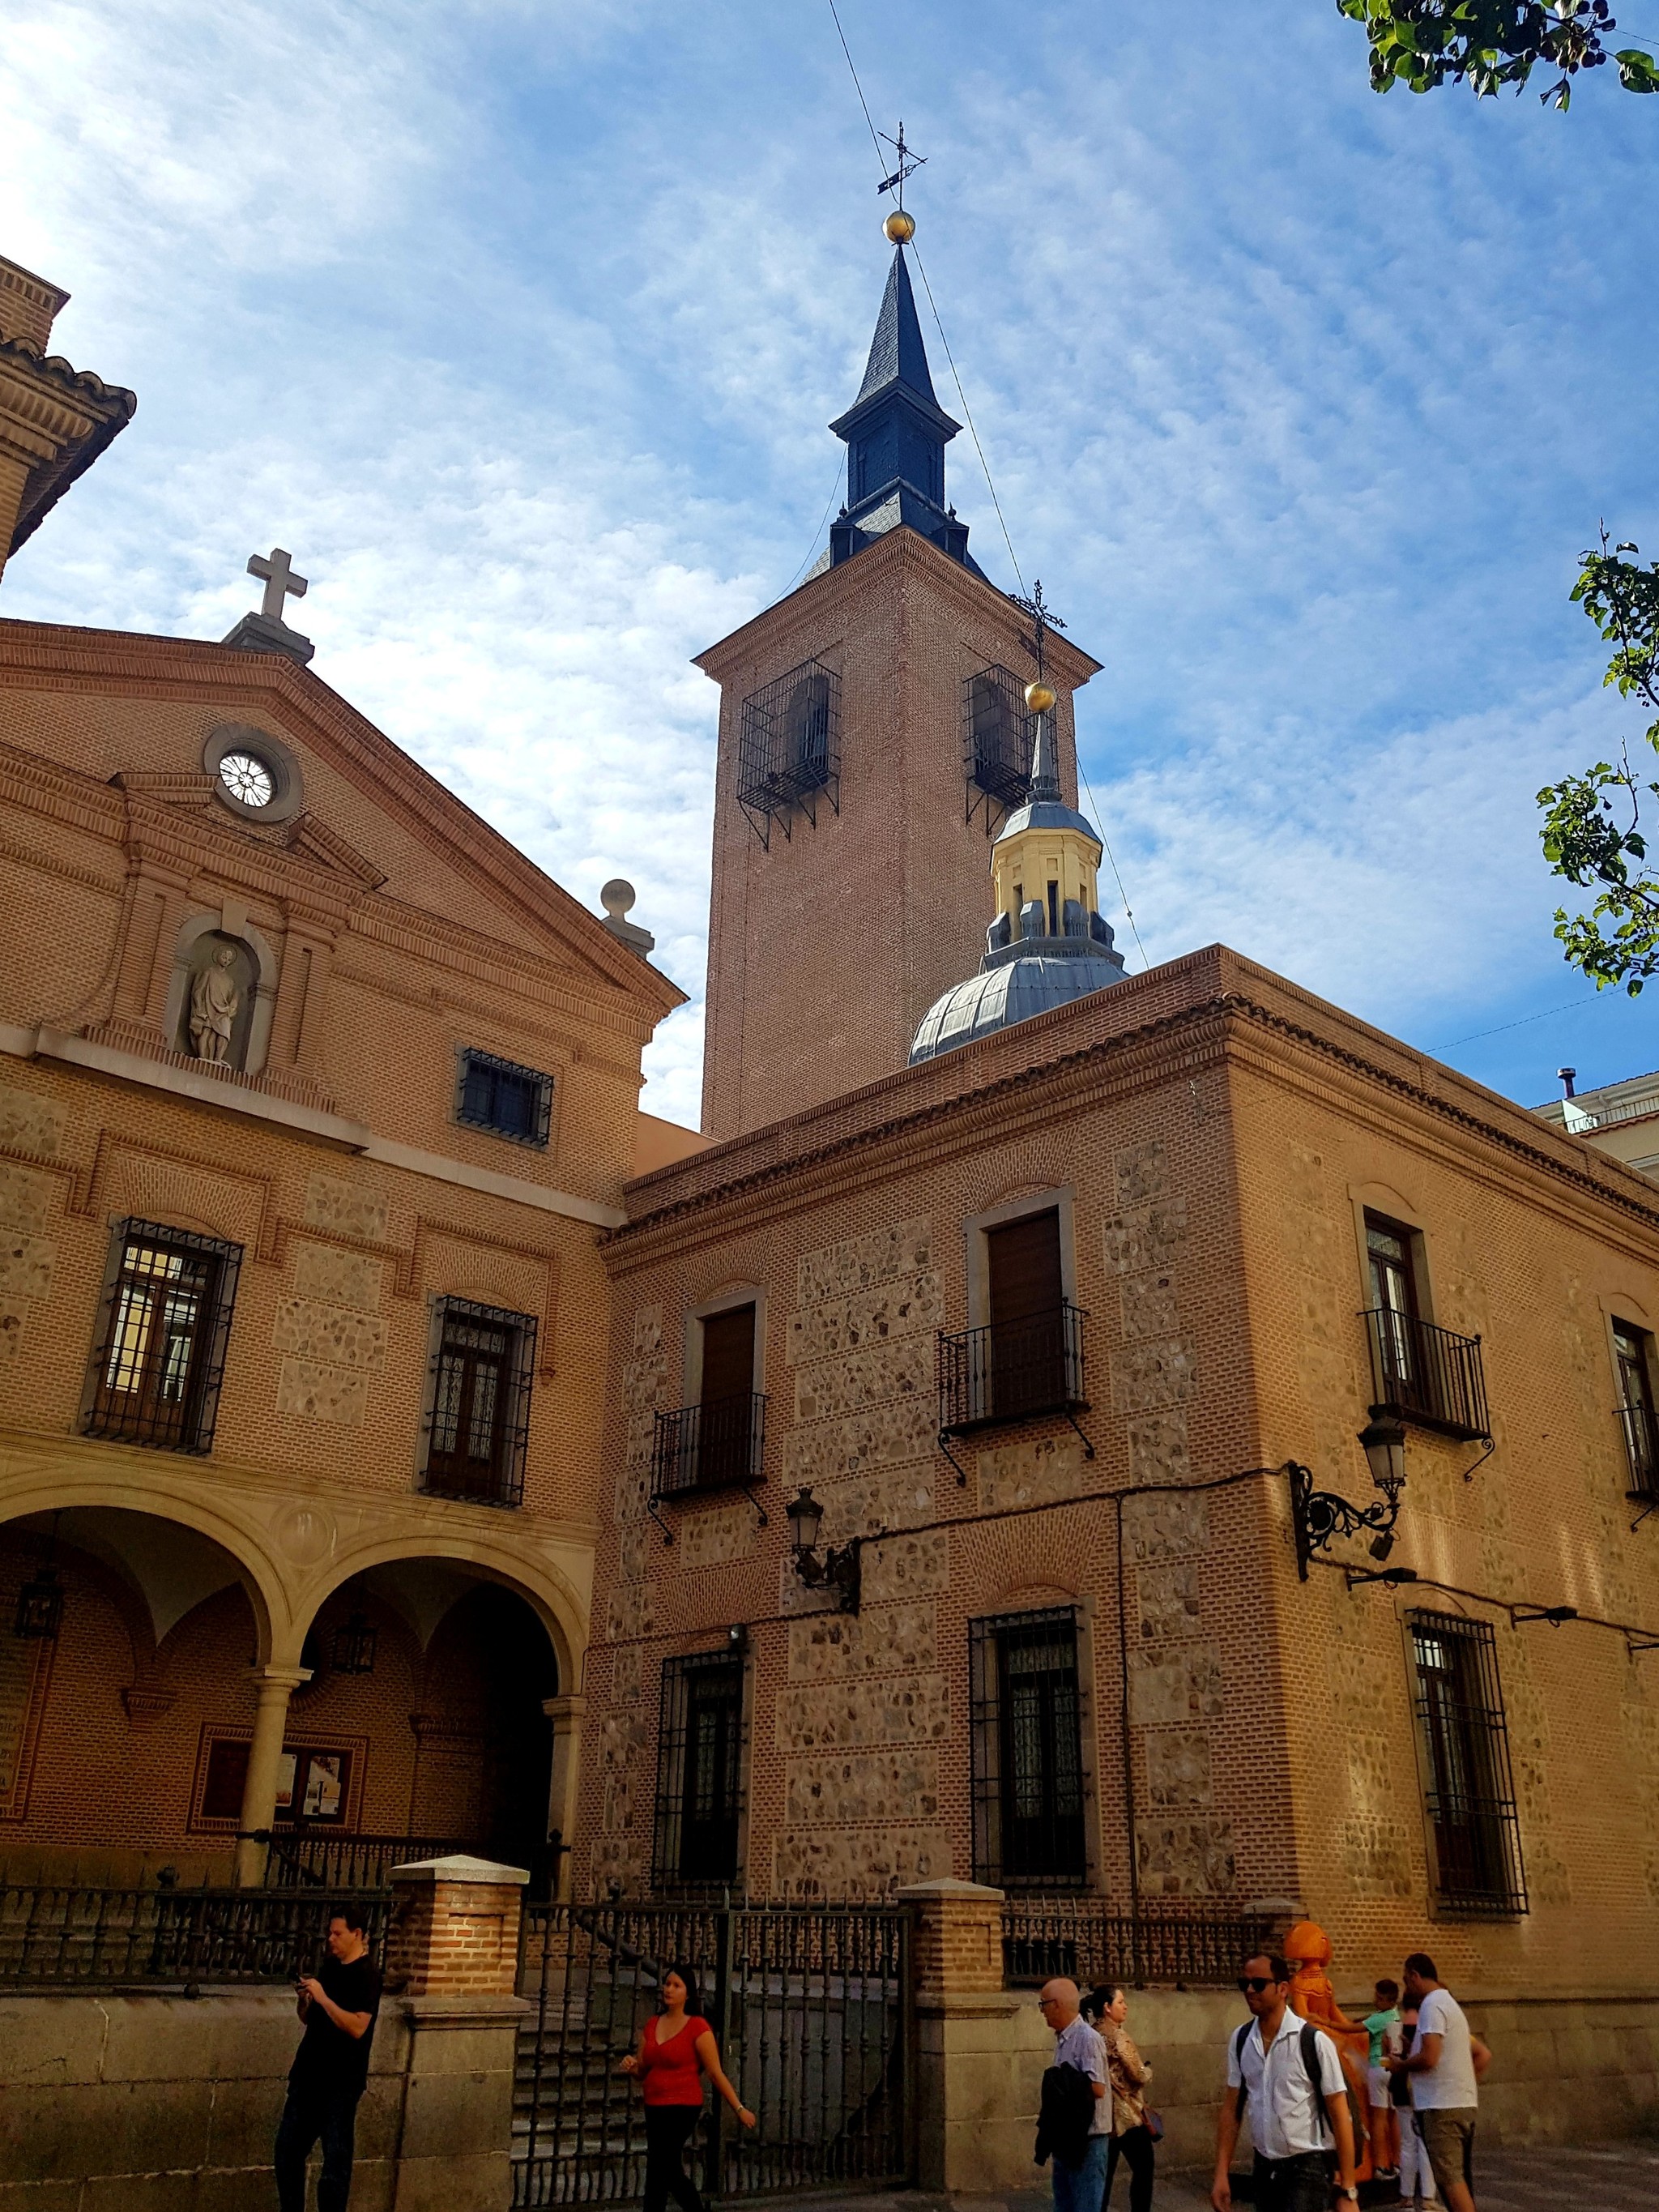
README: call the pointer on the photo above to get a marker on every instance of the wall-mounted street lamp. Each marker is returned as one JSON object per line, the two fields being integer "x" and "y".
{"x": 39, "y": 1606}
{"x": 838, "y": 1567}
{"x": 1320, "y": 1514}
{"x": 1555, "y": 1614}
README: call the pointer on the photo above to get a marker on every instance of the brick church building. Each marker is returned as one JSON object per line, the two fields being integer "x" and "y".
{"x": 1150, "y": 1443}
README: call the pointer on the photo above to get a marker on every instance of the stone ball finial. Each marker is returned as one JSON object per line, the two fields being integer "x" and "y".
{"x": 617, "y": 897}
{"x": 900, "y": 226}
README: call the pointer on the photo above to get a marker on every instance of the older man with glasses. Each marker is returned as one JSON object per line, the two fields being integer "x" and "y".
{"x": 1077, "y": 2168}
{"x": 1290, "y": 2076}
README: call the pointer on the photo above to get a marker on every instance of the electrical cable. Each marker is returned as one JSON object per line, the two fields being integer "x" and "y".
{"x": 1094, "y": 808}
{"x": 875, "y": 138}
{"x": 835, "y": 485}
{"x": 968, "y": 416}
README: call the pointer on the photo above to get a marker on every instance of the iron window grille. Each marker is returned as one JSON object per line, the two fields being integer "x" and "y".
{"x": 160, "y": 1356}
{"x": 789, "y": 749}
{"x": 1430, "y": 1375}
{"x": 718, "y": 1445}
{"x": 500, "y": 1095}
{"x": 1470, "y": 1789}
{"x": 1025, "y": 1721}
{"x": 482, "y": 1360}
{"x": 1011, "y": 1370}
{"x": 997, "y": 734}
{"x": 1633, "y": 1348}
{"x": 700, "y": 1747}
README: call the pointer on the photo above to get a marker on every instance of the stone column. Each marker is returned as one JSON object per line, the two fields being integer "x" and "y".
{"x": 276, "y": 1685}
{"x": 980, "y": 2049}
{"x": 566, "y": 1715}
{"x": 452, "y": 1957}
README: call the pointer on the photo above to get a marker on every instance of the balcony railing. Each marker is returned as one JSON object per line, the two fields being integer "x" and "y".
{"x": 1011, "y": 1370}
{"x": 1088, "y": 1941}
{"x": 715, "y": 1446}
{"x": 1642, "y": 1448}
{"x": 1427, "y": 1375}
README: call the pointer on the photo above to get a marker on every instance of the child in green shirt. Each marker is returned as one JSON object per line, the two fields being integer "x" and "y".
{"x": 1385, "y": 2122}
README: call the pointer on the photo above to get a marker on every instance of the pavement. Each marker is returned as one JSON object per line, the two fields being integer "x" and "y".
{"x": 1611, "y": 2177}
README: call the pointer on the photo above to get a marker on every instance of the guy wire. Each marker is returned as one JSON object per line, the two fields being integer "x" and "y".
{"x": 973, "y": 431}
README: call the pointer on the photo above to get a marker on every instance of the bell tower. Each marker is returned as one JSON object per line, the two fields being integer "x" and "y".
{"x": 874, "y": 736}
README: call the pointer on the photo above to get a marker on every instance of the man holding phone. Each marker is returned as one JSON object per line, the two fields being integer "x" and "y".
{"x": 330, "y": 2068}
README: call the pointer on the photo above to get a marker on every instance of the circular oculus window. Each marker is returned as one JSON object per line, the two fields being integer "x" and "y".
{"x": 247, "y": 778}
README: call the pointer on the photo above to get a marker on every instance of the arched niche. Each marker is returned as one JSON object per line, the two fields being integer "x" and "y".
{"x": 253, "y": 967}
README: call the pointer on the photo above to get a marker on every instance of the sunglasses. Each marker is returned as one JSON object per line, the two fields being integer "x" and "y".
{"x": 1253, "y": 1985}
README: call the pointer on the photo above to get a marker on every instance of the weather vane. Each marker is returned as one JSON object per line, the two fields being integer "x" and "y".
{"x": 901, "y": 225}
{"x": 1043, "y": 619}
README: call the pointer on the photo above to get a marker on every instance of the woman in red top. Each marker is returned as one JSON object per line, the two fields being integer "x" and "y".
{"x": 677, "y": 2049}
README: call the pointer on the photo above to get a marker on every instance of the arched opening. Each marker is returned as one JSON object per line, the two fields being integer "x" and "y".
{"x": 127, "y": 1646}
{"x": 423, "y": 1729}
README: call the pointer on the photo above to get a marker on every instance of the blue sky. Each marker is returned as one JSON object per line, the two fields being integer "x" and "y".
{"x": 519, "y": 322}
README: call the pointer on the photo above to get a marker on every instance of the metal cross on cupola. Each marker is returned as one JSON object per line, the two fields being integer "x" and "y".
{"x": 276, "y": 571}
{"x": 1043, "y": 619}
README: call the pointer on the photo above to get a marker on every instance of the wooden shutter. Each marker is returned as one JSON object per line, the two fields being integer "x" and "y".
{"x": 728, "y": 1354}
{"x": 1024, "y": 1267}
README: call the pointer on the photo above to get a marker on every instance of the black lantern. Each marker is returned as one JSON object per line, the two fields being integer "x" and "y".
{"x": 40, "y": 1606}
{"x": 805, "y": 1518}
{"x": 353, "y": 1646}
{"x": 1383, "y": 1443}
{"x": 838, "y": 1568}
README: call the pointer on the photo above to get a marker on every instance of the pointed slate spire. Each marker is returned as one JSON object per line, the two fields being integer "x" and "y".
{"x": 897, "y": 355}
{"x": 896, "y": 433}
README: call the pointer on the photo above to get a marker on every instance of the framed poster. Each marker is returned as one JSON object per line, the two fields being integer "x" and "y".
{"x": 285, "y": 1782}
{"x": 324, "y": 1797}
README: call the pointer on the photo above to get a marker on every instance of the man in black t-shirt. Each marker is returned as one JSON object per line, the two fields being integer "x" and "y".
{"x": 338, "y": 2007}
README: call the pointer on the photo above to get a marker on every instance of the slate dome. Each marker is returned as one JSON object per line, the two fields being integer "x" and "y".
{"x": 1012, "y": 992}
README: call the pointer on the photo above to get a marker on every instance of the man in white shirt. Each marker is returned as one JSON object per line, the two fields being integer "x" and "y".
{"x": 1289, "y": 2075}
{"x": 1079, "y": 2188}
{"x": 1444, "y": 2070}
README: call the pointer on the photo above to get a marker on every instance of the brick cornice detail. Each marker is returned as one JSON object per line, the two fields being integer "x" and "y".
{"x": 1228, "y": 1026}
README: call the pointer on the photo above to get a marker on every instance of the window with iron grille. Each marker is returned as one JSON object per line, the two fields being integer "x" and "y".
{"x": 1632, "y": 1349}
{"x": 997, "y": 737}
{"x": 500, "y": 1095}
{"x": 483, "y": 1359}
{"x": 789, "y": 748}
{"x": 700, "y": 1772}
{"x": 1465, "y": 1750}
{"x": 160, "y": 1351}
{"x": 1025, "y": 1713}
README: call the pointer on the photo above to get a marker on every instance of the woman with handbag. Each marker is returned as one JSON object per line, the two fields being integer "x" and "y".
{"x": 1135, "y": 2126}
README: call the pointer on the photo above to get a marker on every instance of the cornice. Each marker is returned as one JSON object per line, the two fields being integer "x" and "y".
{"x": 1188, "y": 1036}
{"x": 39, "y": 655}
{"x": 834, "y": 587}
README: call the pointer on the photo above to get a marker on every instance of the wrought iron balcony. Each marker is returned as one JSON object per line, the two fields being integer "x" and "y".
{"x": 1011, "y": 1370}
{"x": 1427, "y": 1375}
{"x": 717, "y": 1445}
{"x": 1642, "y": 1448}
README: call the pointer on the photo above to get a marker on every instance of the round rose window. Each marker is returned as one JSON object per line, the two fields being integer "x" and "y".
{"x": 247, "y": 779}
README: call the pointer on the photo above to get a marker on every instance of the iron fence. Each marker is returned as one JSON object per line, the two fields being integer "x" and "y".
{"x": 1088, "y": 1940}
{"x": 810, "y": 2005}
{"x": 63, "y": 1936}
{"x": 1011, "y": 1369}
{"x": 1427, "y": 1375}
{"x": 337, "y": 1862}
{"x": 718, "y": 1445}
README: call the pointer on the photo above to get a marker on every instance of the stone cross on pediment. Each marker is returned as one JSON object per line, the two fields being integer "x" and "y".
{"x": 280, "y": 581}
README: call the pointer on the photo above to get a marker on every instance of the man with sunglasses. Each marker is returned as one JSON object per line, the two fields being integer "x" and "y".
{"x": 1290, "y": 2076}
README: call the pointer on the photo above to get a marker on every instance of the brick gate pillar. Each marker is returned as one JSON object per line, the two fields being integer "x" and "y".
{"x": 452, "y": 1959}
{"x": 980, "y": 2049}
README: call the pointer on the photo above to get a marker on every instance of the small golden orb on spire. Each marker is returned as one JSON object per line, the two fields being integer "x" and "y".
{"x": 1039, "y": 698}
{"x": 899, "y": 227}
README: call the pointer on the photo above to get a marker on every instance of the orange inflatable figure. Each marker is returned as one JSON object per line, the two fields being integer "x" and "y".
{"x": 1308, "y": 1953}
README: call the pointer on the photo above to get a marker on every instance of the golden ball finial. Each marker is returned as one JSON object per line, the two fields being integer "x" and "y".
{"x": 1039, "y": 698}
{"x": 899, "y": 227}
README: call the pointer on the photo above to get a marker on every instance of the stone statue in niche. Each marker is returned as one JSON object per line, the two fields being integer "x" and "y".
{"x": 219, "y": 1003}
